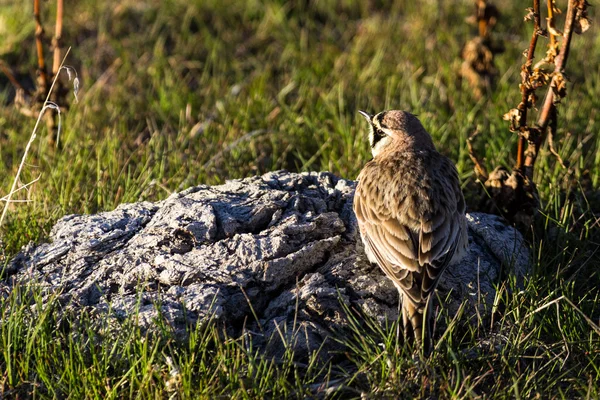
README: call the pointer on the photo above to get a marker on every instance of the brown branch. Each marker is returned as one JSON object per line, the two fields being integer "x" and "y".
{"x": 560, "y": 63}
{"x": 39, "y": 36}
{"x": 548, "y": 109}
{"x": 526, "y": 89}
{"x": 11, "y": 77}
{"x": 57, "y": 40}
{"x": 550, "y": 20}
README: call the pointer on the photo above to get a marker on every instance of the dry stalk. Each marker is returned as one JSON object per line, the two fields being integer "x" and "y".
{"x": 480, "y": 170}
{"x": 550, "y": 131}
{"x": 30, "y": 103}
{"x": 552, "y": 31}
{"x": 57, "y": 40}
{"x": 47, "y": 105}
{"x": 527, "y": 90}
{"x": 59, "y": 91}
{"x": 39, "y": 43}
{"x": 556, "y": 90}
{"x": 514, "y": 193}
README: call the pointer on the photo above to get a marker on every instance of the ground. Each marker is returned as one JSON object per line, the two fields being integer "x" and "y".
{"x": 177, "y": 93}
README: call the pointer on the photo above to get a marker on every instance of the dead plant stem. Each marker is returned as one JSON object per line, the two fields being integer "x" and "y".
{"x": 526, "y": 89}
{"x": 31, "y": 140}
{"x": 57, "y": 40}
{"x": 39, "y": 42}
{"x": 547, "y": 110}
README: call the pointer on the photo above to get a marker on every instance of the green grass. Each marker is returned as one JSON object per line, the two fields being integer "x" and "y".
{"x": 178, "y": 93}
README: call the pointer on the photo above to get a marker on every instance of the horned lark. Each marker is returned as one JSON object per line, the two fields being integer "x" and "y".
{"x": 411, "y": 214}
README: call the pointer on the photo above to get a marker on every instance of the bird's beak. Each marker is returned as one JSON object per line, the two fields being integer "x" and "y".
{"x": 368, "y": 116}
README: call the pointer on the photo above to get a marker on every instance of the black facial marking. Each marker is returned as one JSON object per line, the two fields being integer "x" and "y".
{"x": 380, "y": 117}
{"x": 377, "y": 135}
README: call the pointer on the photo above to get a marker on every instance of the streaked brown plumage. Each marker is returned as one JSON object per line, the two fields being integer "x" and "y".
{"x": 411, "y": 213}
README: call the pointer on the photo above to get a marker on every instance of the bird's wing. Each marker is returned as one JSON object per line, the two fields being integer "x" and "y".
{"x": 413, "y": 259}
{"x": 441, "y": 234}
{"x": 391, "y": 243}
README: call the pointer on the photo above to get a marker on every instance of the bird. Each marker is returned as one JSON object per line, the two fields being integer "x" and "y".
{"x": 411, "y": 215}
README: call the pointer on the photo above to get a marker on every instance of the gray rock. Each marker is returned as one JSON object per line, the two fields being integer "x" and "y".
{"x": 273, "y": 256}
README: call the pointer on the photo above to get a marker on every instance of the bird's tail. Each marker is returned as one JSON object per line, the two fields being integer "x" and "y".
{"x": 416, "y": 320}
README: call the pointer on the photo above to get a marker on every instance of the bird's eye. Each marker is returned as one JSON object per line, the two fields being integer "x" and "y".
{"x": 379, "y": 134}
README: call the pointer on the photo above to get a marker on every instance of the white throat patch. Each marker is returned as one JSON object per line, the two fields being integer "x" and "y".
{"x": 381, "y": 145}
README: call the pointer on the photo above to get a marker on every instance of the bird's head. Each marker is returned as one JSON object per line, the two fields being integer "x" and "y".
{"x": 399, "y": 128}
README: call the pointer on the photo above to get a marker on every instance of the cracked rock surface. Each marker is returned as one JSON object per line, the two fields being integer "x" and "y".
{"x": 276, "y": 255}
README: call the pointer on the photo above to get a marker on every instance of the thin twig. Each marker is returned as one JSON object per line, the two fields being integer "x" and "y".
{"x": 6, "y": 198}
{"x": 480, "y": 169}
{"x": 551, "y": 29}
{"x": 11, "y": 77}
{"x": 39, "y": 37}
{"x": 591, "y": 323}
{"x": 57, "y": 40}
{"x": 550, "y": 138}
{"x": 537, "y": 310}
{"x": 31, "y": 139}
{"x": 562, "y": 333}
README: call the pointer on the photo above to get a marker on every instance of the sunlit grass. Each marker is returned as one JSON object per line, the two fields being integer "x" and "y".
{"x": 175, "y": 94}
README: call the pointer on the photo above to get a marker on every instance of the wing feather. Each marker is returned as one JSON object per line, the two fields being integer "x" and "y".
{"x": 413, "y": 255}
